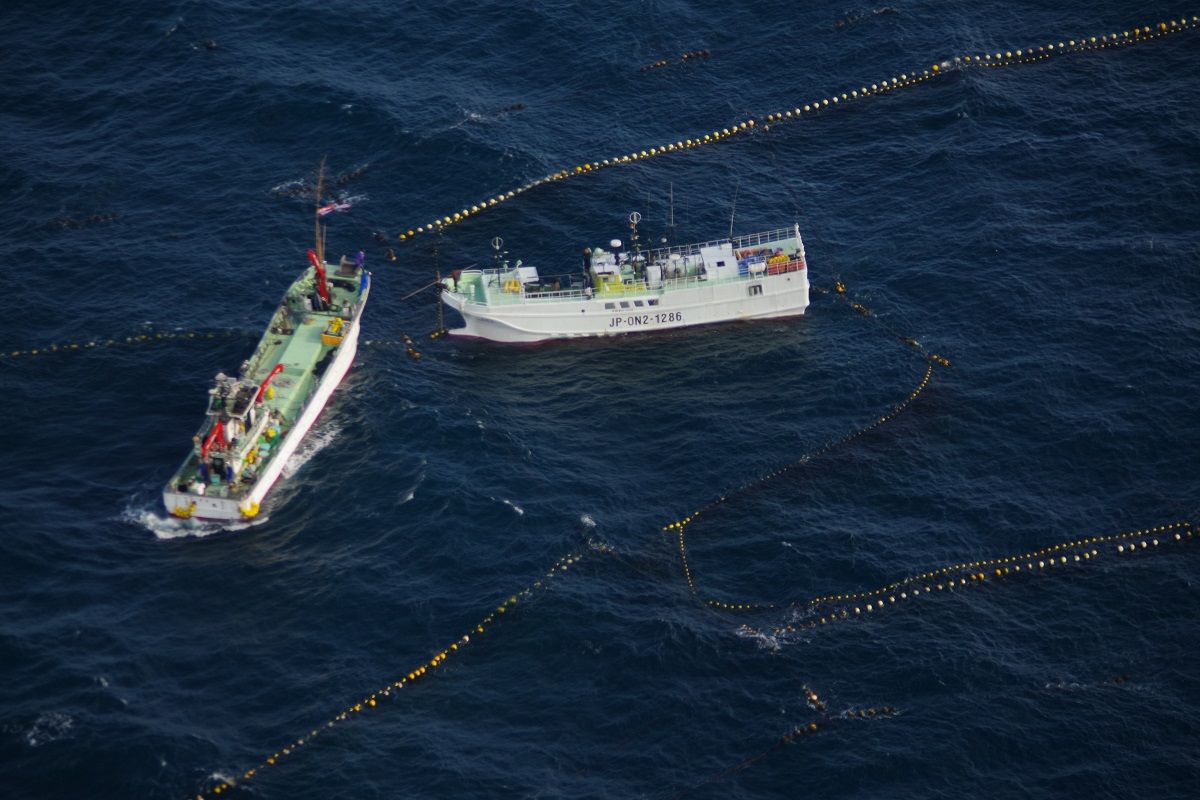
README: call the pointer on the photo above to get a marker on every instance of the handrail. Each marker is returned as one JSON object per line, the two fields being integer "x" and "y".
{"x": 634, "y": 290}
{"x": 738, "y": 242}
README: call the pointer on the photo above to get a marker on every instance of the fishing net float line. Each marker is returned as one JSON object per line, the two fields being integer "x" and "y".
{"x": 933, "y": 360}
{"x": 833, "y": 608}
{"x": 951, "y": 579}
{"x": 906, "y": 80}
{"x": 1007, "y": 58}
{"x": 375, "y": 698}
{"x": 830, "y": 609}
{"x": 855, "y": 604}
{"x": 119, "y": 341}
{"x": 84, "y": 346}
{"x": 828, "y": 722}
{"x": 960, "y": 575}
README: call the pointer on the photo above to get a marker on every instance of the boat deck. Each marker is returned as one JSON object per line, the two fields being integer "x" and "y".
{"x": 294, "y": 340}
{"x": 620, "y": 281}
{"x": 299, "y": 354}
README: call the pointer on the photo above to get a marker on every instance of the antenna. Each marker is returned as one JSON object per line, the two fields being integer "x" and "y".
{"x": 733, "y": 209}
{"x": 497, "y": 243}
{"x": 634, "y": 219}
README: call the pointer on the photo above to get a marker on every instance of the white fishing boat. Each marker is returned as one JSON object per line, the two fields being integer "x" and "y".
{"x": 622, "y": 290}
{"x": 256, "y": 420}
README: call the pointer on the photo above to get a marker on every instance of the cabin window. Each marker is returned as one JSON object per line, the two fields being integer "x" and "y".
{"x": 624, "y": 304}
{"x": 652, "y": 301}
{"x": 756, "y": 289}
{"x": 720, "y": 263}
{"x": 638, "y": 303}
{"x": 610, "y": 306}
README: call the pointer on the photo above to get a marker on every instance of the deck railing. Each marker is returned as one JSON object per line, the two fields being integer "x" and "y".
{"x": 737, "y": 242}
{"x": 494, "y": 294}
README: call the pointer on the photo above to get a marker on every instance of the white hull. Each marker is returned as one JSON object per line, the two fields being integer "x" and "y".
{"x": 535, "y": 320}
{"x": 229, "y": 508}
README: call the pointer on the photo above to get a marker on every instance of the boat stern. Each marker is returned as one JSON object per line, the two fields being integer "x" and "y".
{"x": 190, "y": 505}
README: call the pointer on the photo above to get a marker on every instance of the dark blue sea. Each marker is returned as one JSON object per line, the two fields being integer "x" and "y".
{"x": 1037, "y": 225}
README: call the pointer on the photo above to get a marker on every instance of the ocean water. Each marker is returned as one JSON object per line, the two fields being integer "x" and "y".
{"x": 1037, "y": 225}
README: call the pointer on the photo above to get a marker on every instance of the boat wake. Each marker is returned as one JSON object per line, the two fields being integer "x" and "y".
{"x": 164, "y": 526}
{"x": 314, "y": 442}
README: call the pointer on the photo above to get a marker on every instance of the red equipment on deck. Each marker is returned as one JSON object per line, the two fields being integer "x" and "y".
{"x": 218, "y": 430}
{"x": 322, "y": 288}
{"x": 262, "y": 387}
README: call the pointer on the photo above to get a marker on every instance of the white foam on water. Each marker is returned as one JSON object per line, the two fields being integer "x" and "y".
{"x": 412, "y": 490}
{"x": 222, "y": 777}
{"x": 164, "y": 526}
{"x": 49, "y": 727}
{"x": 586, "y": 520}
{"x": 288, "y": 186}
{"x": 314, "y": 442}
{"x": 520, "y": 511}
{"x": 764, "y": 640}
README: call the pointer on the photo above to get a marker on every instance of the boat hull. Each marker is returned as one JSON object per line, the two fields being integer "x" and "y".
{"x": 257, "y": 421}
{"x": 227, "y": 509}
{"x": 767, "y": 297}
{"x": 781, "y": 295}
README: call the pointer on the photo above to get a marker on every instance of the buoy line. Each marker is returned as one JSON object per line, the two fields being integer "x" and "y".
{"x": 827, "y": 723}
{"x": 375, "y": 699}
{"x": 932, "y": 361}
{"x": 905, "y": 80}
{"x": 959, "y": 575}
{"x": 99, "y": 343}
{"x": 852, "y": 605}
